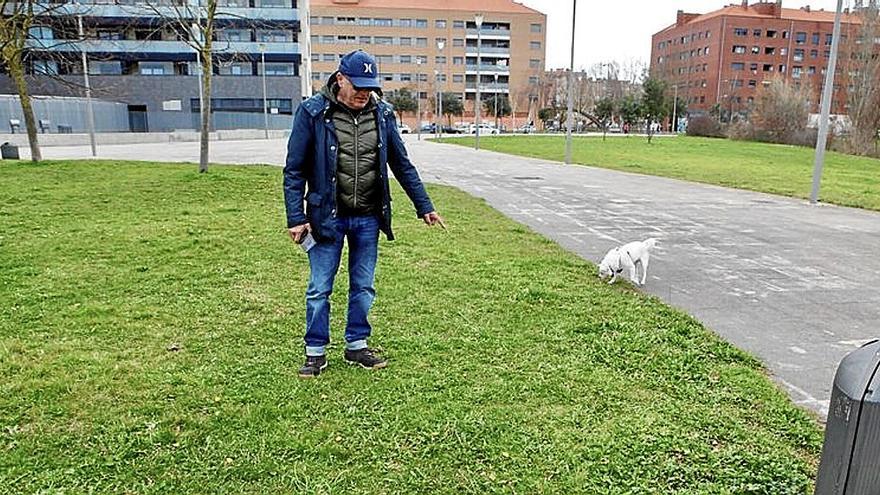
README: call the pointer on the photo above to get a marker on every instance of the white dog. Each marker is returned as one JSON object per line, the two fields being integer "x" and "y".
{"x": 625, "y": 258}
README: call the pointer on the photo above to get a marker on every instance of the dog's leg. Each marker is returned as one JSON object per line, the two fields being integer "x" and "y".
{"x": 644, "y": 263}
{"x": 632, "y": 272}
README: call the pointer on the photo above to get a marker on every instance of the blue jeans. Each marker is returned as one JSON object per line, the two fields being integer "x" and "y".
{"x": 363, "y": 246}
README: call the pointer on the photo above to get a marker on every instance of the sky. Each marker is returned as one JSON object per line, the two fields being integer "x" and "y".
{"x": 621, "y": 30}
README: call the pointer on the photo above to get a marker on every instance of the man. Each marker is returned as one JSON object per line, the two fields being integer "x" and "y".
{"x": 343, "y": 141}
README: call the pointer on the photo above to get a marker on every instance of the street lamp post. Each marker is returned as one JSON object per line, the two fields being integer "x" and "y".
{"x": 419, "y": 97}
{"x": 265, "y": 103}
{"x": 85, "y": 64}
{"x": 674, "y": 107}
{"x": 570, "y": 87}
{"x": 478, "y": 20}
{"x": 495, "y": 90}
{"x": 440, "y": 45}
{"x": 826, "y": 107}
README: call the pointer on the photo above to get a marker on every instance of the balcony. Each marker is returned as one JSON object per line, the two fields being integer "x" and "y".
{"x": 129, "y": 9}
{"x": 489, "y": 33}
{"x": 149, "y": 46}
{"x": 488, "y": 69}
{"x": 471, "y": 51}
{"x": 471, "y": 87}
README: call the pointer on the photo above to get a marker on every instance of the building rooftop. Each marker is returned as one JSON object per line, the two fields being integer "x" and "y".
{"x": 765, "y": 10}
{"x": 502, "y": 6}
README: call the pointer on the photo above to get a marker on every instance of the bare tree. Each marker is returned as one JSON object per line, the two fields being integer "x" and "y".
{"x": 864, "y": 88}
{"x": 16, "y": 19}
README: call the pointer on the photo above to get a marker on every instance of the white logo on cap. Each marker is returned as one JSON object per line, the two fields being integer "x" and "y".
{"x": 368, "y": 68}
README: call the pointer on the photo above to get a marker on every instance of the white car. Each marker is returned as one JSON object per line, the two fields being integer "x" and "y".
{"x": 484, "y": 129}
{"x": 403, "y": 128}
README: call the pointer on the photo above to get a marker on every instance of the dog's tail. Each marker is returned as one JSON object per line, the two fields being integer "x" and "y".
{"x": 651, "y": 242}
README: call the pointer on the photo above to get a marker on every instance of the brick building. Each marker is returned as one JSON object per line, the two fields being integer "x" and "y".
{"x": 725, "y": 56}
{"x": 426, "y": 46}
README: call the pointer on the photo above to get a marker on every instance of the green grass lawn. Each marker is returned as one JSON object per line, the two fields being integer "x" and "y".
{"x": 779, "y": 169}
{"x": 150, "y": 333}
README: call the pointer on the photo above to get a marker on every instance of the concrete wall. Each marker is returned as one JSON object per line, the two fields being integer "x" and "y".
{"x": 120, "y": 138}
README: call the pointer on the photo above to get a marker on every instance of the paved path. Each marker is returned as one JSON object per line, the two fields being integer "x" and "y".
{"x": 792, "y": 283}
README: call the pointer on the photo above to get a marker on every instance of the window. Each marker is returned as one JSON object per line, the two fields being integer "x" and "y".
{"x": 458, "y": 24}
{"x": 828, "y": 39}
{"x": 457, "y": 78}
{"x": 405, "y": 77}
{"x": 739, "y": 49}
{"x": 406, "y": 59}
{"x": 272, "y": 36}
{"x": 800, "y": 38}
{"x": 41, "y": 33}
{"x": 421, "y": 23}
{"x": 385, "y": 59}
{"x": 756, "y": 33}
{"x": 533, "y": 80}
{"x": 815, "y": 38}
{"x": 457, "y": 60}
{"x": 237, "y": 69}
{"x": 782, "y": 68}
{"x": 383, "y": 22}
{"x": 737, "y": 66}
{"x": 233, "y": 35}
{"x": 811, "y": 70}
{"x": 771, "y": 33}
{"x": 346, "y": 20}
{"x": 708, "y": 34}
{"x": 799, "y": 55}
{"x": 108, "y": 34}
{"x": 706, "y": 51}
{"x": 753, "y": 83}
{"x": 457, "y": 42}
{"x": 753, "y": 67}
{"x": 328, "y": 38}
{"x": 151, "y": 68}
{"x": 328, "y": 57}
{"x": 422, "y": 59}
{"x": 439, "y": 59}
{"x": 423, "y": 42}
{"x": 406, "y": 41}
{"x": 279, "y": 69}
{"x": 814, "y": 53}
{"x": 47, "y": 67}
{"x": 383, "y": 40}
{"x": 796, "y": 71}
{"x": 314, "y": 20}
{"x": 365, "y": 21}
{"x": 768, "y": 67}
{"x": 440, "y": 23}
{"x": 316, "y": 76}
{"x": 534, "y": 45}
{"x": 740, "y": 32}
{"x": 346, "y": 39}
{"x": 112, "y": 67}
{"x": 405, "y": 23}
{"x": 327, "y": 21}
{"x": 365, "y": 40}
{"x": 737, "y": 83}
{"x": 756, "y": 49}
{"x": 535, "y": 28}
{"x": 316, "y": 57}
{"x": 785, "y": 35}
{"x": 783, "y": 51}
{"x": 769, "y": 50}
{"x": 534, "y": 63}
{"x": 437, "y": 41}
{"x": 386, "y": 76}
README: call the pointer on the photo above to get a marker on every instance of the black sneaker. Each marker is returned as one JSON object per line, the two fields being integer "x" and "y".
{"x": 365, "y": 357}
{"x": 313, "y": 367}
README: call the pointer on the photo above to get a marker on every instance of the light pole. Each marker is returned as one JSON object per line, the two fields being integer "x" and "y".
{"x": 826, "y": 107}
{"x": 495, "y": 89}
{"x": 440, "y": 45}
{"x": 674, "y": 107}
{"x": 419, "y": 97}
{"x": 85, "y": 64}
{"x": 265, "y": 103}
{"x": 478, "y": 20}
{"x": 570, "y": 87}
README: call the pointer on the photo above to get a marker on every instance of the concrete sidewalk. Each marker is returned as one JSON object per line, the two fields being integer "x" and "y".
{"x": 792, "y": 283}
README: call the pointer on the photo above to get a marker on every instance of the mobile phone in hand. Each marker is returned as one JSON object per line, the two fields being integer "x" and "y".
{"x": 307, "y": 242}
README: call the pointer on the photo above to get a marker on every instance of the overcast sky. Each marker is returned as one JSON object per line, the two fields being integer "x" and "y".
{"x": 621, "y": 30}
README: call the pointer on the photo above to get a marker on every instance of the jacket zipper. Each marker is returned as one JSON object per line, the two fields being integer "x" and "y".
{"x": 354, "y": 117}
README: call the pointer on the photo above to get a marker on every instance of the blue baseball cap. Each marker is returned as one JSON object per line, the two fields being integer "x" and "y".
{"x": 361, "y": 69}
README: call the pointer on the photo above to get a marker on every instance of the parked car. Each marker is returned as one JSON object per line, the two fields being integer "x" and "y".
{"x": 403, "y": 128}
{"x": 432, "y": 128}
{"x": 484, "y": 129}
{"x": 526, "y": 129}
{"x": 614, "y": 128}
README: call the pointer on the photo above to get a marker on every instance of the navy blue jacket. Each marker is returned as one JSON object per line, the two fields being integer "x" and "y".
{"x": 310, "y": 170}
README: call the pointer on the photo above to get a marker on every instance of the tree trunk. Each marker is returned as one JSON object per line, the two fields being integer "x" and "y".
{"x": 16, "y": 70}
{"x": 206, "y": 110}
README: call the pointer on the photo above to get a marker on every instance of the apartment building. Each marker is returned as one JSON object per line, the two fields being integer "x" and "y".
{"x": 138, "y": 54}
{"x": 724, "y": 57}
{"x": 433, "y": 46}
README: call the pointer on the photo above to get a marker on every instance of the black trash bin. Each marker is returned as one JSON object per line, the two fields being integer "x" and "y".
{"x": 851, "y": 453}
{"x": 9, "y": 151}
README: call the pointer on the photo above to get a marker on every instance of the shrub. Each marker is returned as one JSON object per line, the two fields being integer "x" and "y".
{"x": 704, "y": 125}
